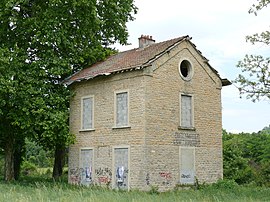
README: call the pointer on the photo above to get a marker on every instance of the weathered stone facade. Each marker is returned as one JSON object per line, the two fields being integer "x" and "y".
{"x": 153, "y": 149}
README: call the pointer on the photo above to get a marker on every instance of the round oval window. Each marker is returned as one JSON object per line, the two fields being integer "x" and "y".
{"x": 185, "y": 70}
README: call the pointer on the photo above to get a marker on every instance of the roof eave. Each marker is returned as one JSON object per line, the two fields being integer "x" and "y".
{"x": 225, "y": 82}
{"x": 134, "y": 68}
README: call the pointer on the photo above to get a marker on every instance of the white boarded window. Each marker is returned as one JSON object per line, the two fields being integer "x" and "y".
{"x": 186, "y": 111}
{"x": 87, "y": 113}
{"x": 86, "y": 165}
{"x": 187, "y": 165}
{"x": 121, "y": 107}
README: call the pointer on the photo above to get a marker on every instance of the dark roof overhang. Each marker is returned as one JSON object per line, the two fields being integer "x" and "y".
{"x": 225, "y": 82}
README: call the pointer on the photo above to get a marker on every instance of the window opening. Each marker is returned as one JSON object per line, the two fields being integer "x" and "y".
{"x": 185, "y": 70}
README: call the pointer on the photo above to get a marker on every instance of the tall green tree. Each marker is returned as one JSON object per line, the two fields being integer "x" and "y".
{"x": 254, "y": 81}
{"x": 41, "y": 43}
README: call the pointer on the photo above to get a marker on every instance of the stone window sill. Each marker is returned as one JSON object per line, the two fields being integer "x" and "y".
{"x": 186, "y": 128}
{"x": 86, "y": 130}
{"x": 120, "y": 127}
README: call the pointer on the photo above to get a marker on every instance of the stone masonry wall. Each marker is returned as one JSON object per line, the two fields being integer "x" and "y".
{"x": 105, "y": 136}
{"x": 163, "y": 134}
{"x": 153, "y": 138}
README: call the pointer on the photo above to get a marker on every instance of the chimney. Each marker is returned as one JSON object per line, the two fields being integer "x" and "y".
{"x": 145, "y": 40}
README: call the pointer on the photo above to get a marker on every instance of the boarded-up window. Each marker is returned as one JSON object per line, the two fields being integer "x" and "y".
{"x": 187, "y": 165}
{"x": 186, "y": 111}
{"x": 121, "y": 167}
{"x": 122, "y": 109}
{"x": 87, "y": 113}
{"x": 86, "y": 161}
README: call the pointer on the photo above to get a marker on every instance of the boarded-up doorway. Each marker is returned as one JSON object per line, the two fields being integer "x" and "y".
{"x": 86, "y": 166}
{"x": 121, "y": 168}
{"x": 187, "y": 165}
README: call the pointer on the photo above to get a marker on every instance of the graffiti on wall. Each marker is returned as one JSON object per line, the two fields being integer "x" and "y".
{"x": 75, "y": 176}
{"x": 166, "y": 177}
{"x": 121, "y": 177}
{"x": 147, "y": 179}
{"x": 121, "y": 168}
{"x": 83, "y": 176}
{"x": 88, "y": 174}
{"x": 186, "y": 176}
{"x": 104, "y": 176}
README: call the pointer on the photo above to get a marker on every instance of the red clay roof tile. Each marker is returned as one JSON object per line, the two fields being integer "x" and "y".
{"x": 131, "y": 59}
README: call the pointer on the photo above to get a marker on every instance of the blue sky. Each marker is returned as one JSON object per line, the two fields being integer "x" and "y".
{"x": 218, "y": 29}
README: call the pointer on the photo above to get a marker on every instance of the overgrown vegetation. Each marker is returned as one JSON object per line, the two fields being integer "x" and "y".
{"x": 247, "y": 157}
{"x": 37, "y": 155}
{"x": 35, "y": 158}
{"x": 44, "y": 189}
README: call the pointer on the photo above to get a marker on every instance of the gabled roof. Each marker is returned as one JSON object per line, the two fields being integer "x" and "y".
{"x": 128, "y": 60}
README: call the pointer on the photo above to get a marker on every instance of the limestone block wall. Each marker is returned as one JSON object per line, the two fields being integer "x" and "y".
{"x": 105, "y": 138}
{"x": 154, "y": 143}
{"x": 163, "y": 118}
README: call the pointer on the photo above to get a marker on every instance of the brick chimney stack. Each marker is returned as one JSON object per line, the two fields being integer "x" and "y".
{"x": 145, "y": 40}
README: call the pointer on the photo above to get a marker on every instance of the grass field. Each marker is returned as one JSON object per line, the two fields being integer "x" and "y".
{"x": 41, "y": 189}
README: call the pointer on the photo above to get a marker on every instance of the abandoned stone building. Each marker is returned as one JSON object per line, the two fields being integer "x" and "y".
{"x": 149, "y": 116}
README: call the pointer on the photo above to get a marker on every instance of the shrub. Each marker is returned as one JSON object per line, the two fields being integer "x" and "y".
{"x": 153, "y": 189}
{"x": 246, "y": 157}
{"x": 225, "y": 184}
{"x": 37, "y": 155}
{"x": 28, "y": 168}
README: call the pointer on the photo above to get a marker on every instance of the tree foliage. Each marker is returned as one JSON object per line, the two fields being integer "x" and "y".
{"x": 41, "y": 43}
{"x": 254, "y": 81}
{"x": 246, "y": 157}
{"x": 35, "y": 154}
{"x": 259, "y": 6}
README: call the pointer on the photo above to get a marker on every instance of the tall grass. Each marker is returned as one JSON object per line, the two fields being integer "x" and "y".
{"x": 44, "y": 189}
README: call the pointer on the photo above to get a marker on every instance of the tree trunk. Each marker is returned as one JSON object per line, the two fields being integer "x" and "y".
{"x": 59, "y": 160}
{"x": 9, "y": 160}
{"x": 18, "y": 154}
